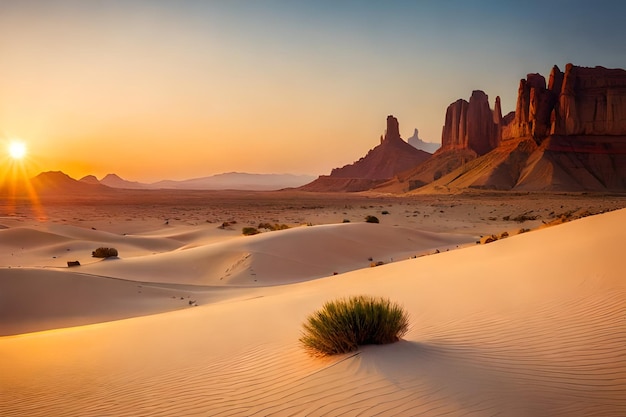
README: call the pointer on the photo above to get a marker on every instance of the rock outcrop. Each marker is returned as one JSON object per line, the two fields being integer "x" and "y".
{"x": 534, "y": 107}
{"x": 567, "y": 135}
{"x": 580, "y": 102}
{"x": 416, "y": 142}
{"x": 472, "y": 125}
{"x": 381, "y": 163}
{"x": 592, "y": 101}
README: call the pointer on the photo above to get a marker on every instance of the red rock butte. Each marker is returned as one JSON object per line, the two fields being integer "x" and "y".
{"x": 392, "y": 156}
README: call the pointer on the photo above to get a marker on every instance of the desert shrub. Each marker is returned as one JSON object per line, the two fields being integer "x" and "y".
{"x": 343, "y": 325}
{"x": 346, "y": 220}
{"x": 384, "y": 212}
{"x": 371, "y": 219}
{"x": 491, "y": 238}
{"x": 273, "y": 227}
{"x": 524, "y": 218}
{"x": 227, "y": 225}
{"x": 249, "y": 231}
{"x": 104, "y": 253}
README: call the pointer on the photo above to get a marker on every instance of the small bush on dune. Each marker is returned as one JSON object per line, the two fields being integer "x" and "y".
{"x": 249, "y": 231}
{"x": 104, "y": 253}
{"x": 371, "y": 219}
{"x": 343, "y": 325}
{"x": 273, "y": 227}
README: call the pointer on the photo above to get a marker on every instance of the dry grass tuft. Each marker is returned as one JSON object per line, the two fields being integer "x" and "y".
{"x": 343, "y": 325}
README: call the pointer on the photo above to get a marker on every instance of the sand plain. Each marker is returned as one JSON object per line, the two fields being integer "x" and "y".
{"x": 196, "y": 319}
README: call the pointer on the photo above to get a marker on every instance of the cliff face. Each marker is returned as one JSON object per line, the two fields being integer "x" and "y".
{"x": 567, "y": 135}
{"x": 592, "y": 101}
{"x": 534, "y": 107}
{"x": 580, "y": 102}
{"x": 472, "y": 125}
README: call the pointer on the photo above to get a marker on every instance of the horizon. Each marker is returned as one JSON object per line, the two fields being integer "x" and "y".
{"x": 113, "y": 174}
{"x": 156, "y": 90}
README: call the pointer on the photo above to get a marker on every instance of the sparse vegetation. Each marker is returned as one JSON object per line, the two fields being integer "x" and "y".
{"x": 371, "y": 219}
{"x": 523, "y": 218}
{"x": 273, "y": 227}
{"x": 343, "y": 325}
{"x": 490, "y": 239}
{"x": 227, "y": 225}
{"x": 104, "y": 253}
{"x": 249, "y": 231}
{"x": 384, "y": 212}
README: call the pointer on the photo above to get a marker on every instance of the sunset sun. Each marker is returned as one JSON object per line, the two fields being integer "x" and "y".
{"x": 17, "y": 150}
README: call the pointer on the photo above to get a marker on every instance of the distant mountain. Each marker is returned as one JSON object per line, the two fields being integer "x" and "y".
{"x": 226, "y": 181}
{"x": 381, "y": 163}
{"x": 417, "y": 143}
{"x": 115, "y": 181}
{"x": 56, "y": 183}
{"x": 238, "y": 181}
{"x": 89, "y": 179}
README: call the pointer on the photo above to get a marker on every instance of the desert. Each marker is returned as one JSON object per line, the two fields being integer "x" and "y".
{"x": 312, "y": 208}
{"x": 193, "y": 318}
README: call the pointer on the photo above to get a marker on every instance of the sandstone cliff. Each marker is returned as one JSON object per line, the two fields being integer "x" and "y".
{"x": 592, "y": 101}
{"x": 567, "y": 135}
{"x": 472, "y": 125}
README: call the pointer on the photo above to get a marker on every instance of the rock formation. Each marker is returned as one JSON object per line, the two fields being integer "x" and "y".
{"x": 592, "y": 101}
{"x": 416, "y": 142}
{"x": 534, "y": 107}
{"x": 472, "y": 125}
{"x": 567, "y": 135}
{"x": 580, "y": 102}
{"x": 381, "y": 163}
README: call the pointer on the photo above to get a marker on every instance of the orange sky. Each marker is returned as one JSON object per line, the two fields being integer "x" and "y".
{"x": 155, "y": 90}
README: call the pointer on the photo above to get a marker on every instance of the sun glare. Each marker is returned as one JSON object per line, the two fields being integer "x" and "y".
{"x": 17, "y": 149}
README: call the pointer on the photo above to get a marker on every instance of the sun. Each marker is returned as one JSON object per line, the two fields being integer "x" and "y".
{"x": 17, "y": 149}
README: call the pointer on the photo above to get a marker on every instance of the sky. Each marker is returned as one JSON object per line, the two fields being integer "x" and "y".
{"x": 155, "y": 90}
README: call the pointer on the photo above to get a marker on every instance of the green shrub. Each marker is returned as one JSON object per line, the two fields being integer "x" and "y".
{"x": 104, "y": 253}
{"x": 343, "y": 325}
{"x": 249, "y": 231}
{"x": 371, "y": 219}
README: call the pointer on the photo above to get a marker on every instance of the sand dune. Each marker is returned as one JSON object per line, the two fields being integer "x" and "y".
{"x": 528, "y": 326}
{"x": 175, "y": 258}
{"x": 281, "y": 257}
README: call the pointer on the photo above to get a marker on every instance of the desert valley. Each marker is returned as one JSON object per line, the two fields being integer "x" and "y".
{"x": 504, "y": 249}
